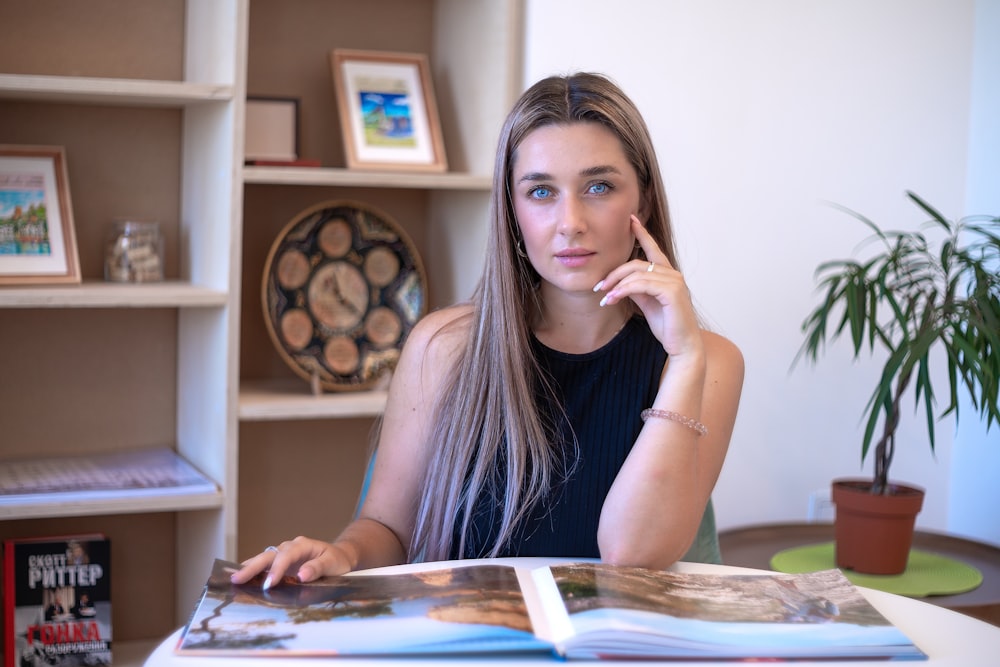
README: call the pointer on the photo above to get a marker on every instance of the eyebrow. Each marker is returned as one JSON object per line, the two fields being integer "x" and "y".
{"x": 597, "y": 170}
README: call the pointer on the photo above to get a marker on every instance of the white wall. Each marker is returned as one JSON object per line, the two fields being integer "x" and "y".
{"x": 975, "y": 506}
{"x": 761, "y": 112}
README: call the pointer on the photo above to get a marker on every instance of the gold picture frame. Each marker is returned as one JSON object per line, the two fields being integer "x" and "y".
{"x": 388, "y": 113}
{"x": 37, "y": 236}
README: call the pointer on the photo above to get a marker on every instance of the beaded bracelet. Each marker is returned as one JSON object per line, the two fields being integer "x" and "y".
{"x": 692, "y": 424}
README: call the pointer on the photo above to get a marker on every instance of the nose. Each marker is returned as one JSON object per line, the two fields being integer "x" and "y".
{"x": 572, "y": 217}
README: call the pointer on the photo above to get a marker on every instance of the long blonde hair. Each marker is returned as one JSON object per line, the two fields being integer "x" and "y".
{"x": 488, "y": 413}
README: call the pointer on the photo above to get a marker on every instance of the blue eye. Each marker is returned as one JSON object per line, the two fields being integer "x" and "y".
{"x": 539, "y": 192}
{"x": 599, "y": 188}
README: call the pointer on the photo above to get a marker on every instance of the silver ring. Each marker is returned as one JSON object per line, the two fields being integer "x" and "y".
{"x": 649, "y": 268}
{"x": 272, "y": 548}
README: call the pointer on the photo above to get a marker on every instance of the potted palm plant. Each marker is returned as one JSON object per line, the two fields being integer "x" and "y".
{"x": 911, "y": 298}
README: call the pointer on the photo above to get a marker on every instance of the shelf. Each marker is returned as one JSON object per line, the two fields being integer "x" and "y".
{"x": 265, "y": 400}
{"x": 122, "y": 482}
{"x": 350, "y": 177}
{"x": 116, "y": 92}
{"x": 95, "y": 294}
{"x": 92, "y": 503}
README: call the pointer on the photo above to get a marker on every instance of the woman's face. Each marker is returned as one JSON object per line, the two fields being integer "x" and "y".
{"x": 573, "y": 191}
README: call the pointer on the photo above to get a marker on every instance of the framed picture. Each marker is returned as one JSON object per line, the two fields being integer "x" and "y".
{"x": 271, "y": 129}
{"x": 37, "y": 239}
{"x": 388, "y": 114}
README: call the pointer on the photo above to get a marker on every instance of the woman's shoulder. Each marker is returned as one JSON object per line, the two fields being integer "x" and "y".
{"x": 442, "y": 330}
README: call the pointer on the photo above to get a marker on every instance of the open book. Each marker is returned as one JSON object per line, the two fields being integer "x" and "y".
{"x": 577, "y": 610}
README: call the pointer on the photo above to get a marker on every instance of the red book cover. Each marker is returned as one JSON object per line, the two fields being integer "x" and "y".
{"x": 57, "y": 601}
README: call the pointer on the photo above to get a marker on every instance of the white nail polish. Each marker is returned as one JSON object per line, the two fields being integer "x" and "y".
{"x": 604, "y": 301}
{"x": 267, "y": 583}
{"x": 598, "y": 286}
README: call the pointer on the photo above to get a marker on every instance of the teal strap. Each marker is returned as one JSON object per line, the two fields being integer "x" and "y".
{"x": 369, "y": 469}
{"x": 705, "y": 548}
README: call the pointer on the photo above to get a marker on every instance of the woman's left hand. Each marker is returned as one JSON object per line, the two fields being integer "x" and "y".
{"x": 659, "y": 290}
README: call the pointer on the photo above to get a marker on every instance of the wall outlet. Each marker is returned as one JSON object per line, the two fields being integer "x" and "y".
{"x": 821, "y": 507}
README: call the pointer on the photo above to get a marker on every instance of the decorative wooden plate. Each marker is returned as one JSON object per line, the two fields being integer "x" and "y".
{"x": 343, "y": 286}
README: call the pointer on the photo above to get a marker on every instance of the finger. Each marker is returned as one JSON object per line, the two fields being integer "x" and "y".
{"x": 648, "y": 244}
{"x": 275, "y": 561}
{"x": 314, "y": 568}
{"x": 280, "y": 564}
{"x": 253, "y": 566}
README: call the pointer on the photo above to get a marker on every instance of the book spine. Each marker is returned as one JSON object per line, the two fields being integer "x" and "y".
{"x": 8, "y": 603}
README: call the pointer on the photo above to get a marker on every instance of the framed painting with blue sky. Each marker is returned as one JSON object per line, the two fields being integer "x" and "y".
{"x": 388, "y": 113}
{"x": 37, "y": 238}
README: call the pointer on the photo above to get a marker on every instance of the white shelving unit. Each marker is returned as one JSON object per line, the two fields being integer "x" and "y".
{"x": 150, "y": 128}
{"x": 152, "y": 123}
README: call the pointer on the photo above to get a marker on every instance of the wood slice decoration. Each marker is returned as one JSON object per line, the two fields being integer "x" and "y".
{"x": 343, "y": 286}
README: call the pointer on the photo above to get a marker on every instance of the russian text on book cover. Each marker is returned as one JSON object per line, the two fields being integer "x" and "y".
{"x": 57, "y": 601}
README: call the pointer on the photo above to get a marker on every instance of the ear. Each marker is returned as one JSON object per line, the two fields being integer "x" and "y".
{"x": 644, "y": 209}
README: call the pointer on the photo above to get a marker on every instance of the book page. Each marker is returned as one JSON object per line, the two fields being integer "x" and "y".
{"x": 549, "y": 615}
{"x": 471, "y": 609}
{"x": 634, "y": 612}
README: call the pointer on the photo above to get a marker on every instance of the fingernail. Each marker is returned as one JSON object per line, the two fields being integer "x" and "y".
{"x": 598, "y": 286}
{"x": 267, "y": 583}
{"x": 604, "y": 301}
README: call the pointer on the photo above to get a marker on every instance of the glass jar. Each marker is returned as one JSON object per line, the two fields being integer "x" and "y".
{"x": 134, "y": 253}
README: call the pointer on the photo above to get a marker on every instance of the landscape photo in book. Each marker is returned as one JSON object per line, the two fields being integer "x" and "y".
{"x": 731, "y": 615}
{"x": 575, "y": 611}
{"x": 477, "y": 609}
{"x": 57, "y": 601}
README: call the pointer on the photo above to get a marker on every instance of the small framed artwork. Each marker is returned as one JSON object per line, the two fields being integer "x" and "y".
{"x": 388, "y": 113}
{"x": 37, "y": 238}
{"x": 271, "y": 129}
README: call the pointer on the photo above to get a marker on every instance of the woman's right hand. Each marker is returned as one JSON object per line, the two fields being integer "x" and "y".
{"x": 303, "y": 558}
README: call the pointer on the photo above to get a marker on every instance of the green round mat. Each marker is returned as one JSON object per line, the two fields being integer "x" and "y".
{"x": 925, "y": 574}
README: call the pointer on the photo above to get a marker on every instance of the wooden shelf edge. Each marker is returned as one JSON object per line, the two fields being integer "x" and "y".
{"x": 130, "y": 92}
{"x": 58, "y": 505}
{"x": 278, "y": 400}
{"x": 95, "y": 294}
{"x": 324, "y": 176}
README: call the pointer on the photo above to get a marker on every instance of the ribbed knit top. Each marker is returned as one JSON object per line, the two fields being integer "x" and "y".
{"x": 602, "y": 394}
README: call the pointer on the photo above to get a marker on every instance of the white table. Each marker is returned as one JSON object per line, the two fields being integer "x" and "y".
{"x": 949, "y": 639}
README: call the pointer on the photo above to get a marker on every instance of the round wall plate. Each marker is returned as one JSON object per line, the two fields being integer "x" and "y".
{"x": 343, "y": 286}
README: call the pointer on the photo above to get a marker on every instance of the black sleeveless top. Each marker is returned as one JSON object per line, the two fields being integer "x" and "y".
{"x": 602, "y": 394}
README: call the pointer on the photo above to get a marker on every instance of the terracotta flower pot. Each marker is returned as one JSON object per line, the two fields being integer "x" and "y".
{"x": 873, "y": 533}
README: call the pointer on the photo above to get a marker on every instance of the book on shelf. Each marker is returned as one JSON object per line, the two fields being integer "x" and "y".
{"x": 298, "y": 162}
{"x": 583, "y": 610}
{"x": 57, "y": 601}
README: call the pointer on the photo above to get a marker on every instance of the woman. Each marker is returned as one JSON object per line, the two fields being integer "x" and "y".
{"x": 517, "y": 424}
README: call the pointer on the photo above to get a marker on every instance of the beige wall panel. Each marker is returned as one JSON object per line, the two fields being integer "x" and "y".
{"x": 86, "y": 380}
{"x": 299, "y": 478}
{"x": 69, "y": 38}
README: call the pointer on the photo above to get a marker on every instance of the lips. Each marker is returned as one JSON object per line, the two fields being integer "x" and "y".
{"x": 574, "y": 257}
